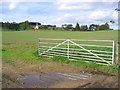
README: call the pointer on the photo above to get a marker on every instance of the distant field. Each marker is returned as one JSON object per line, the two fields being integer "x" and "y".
{"x": 32, "y": 36}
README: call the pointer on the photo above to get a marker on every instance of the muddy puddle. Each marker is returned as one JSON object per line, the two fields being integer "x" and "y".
{"x": 48, "y": 80}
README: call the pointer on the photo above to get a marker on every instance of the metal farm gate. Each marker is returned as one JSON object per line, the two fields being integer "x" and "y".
{"x": 97, "y": 51}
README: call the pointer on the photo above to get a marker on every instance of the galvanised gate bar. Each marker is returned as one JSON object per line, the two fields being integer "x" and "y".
{"x": 97, "y": 51}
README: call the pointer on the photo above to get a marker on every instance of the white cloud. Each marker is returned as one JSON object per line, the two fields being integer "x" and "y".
{"x": 104, "y": 23}
{"x": 81, "y": 4}
{"x": 95, "y": 14}
{"x": 85, "y": 18}
{"x": 65, "y": 18}
{"x": 73, "y": 5}
{"x": 76, "y": 1}
{"x": 115, "y": 15}
{"x": 95, "y": 17}
{"x": 12, "y": 5}
{"x": 109, "y": 0}
{"x": 99, "y": 15}
{"x": 27, "y": 0}
{"x": 73, "y": 18}
{"x": 64, "y": 1}
{"x": 62, "y": 4}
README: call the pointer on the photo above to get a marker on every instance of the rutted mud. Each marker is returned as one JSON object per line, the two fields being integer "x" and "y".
{"x": 22, "y": 73}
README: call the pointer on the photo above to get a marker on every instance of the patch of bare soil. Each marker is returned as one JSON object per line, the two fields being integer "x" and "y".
{"x": 95, "y": 82}
{"x": 10, "y": 72}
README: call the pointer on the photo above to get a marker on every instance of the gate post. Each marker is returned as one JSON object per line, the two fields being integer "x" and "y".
{"x": 39, "y": 47}
{"x": 68, "y": 49}
{"x": 117, "y": 53}
{"x": 113, "y": 52}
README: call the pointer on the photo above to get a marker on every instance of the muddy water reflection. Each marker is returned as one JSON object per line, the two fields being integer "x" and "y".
{"x": 47, "y": 80}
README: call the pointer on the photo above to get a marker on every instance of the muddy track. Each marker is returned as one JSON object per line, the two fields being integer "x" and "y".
{"x": 96, "y": 82}
{"x": 10, "y": 72}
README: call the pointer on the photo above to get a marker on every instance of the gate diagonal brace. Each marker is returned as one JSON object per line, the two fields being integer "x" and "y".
{"x": 54, "y": 47}
{"x": 89, "y": 52}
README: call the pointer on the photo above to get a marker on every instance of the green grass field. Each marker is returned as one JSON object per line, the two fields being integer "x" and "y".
{"x": 32, "y": 36}
{"x": 23, "y": 45}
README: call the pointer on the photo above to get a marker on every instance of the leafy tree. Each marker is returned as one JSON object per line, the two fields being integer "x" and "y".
{"x": 24, "y": 25}
{"x": 10, "y": 26}
{"x": 77, "y": 27}
{"x": 6, "y": 25}
{"x": 67, "y": 26}
{"x": 93, "y": 27}
{"x": 64, "y": 26}
{"x": 104, "y": 27}
{"x": 107, "y": 26}
{"x": 14, "y": 26}
{"x": 84, "y": 28}
{"x": 45, "y": 27}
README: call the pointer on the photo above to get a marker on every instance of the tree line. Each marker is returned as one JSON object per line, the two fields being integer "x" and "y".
{"x": 15, "y": 26}
{"x": 92, "y": 27}
{"x": 26, "y": 25}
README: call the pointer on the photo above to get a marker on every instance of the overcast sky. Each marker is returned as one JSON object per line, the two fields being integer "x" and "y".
{"x": 59, "y": 12}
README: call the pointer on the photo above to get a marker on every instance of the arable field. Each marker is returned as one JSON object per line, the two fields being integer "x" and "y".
{"x": 20, "y": 57}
